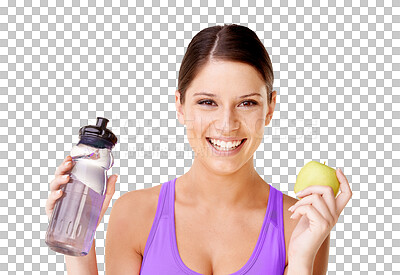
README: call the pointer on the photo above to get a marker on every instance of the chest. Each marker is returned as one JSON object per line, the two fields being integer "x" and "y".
{"x": 217, "y": 245}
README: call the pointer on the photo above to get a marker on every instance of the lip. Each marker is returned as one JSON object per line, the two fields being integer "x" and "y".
{"x": 226, "y": 153}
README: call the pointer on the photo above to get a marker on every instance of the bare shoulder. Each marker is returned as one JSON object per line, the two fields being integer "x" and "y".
{"x": 138, "y": 209}
{"x": 289, "y": 224}
{"x": 130, "y": 222}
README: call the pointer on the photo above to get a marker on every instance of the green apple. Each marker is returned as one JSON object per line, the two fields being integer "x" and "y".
{"x": 315, "y": 173}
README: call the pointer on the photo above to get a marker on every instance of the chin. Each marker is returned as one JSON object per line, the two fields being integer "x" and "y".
{"x": 222, "y": 167}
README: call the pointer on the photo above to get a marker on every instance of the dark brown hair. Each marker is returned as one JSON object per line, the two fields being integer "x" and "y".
{"x": 230, "y": 42}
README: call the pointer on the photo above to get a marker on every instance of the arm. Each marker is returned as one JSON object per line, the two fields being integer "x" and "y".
{"x": 318, "y": 267}
{"x": 298, "y": 268}
{"x": 86, "y": 265}
{"x": 322, "y": 258}
{"x": 124, "y": 232}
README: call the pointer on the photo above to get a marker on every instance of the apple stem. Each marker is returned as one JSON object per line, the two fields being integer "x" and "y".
{"x": 324, "y": 162}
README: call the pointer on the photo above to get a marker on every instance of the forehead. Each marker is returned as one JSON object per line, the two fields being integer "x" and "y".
{"x": 227, "y": 77}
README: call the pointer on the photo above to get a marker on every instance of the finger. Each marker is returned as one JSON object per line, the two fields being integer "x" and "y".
{"x": 111, "y": 184}
{"x": 325, "y": 191}
{"x": 110, "y": 190}
{"x": 319, "y": 203}
{"x": 65, "y": 166}
{"x": 51, "y": 201}
{"x": 345, "y": 191}
{"x": 58, "y": 181}
{"x": 315, "y": 218}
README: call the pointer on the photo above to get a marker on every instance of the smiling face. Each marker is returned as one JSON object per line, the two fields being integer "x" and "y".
{"x": 217, "y": 106}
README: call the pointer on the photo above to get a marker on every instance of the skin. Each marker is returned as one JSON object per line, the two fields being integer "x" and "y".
{"x": 230, "y": 184}
{"x": 229, "y": 200}
{"x": 226, "y": 182}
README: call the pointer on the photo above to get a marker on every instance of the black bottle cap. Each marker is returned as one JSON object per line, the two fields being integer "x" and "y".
{"x": 97, "y": 135}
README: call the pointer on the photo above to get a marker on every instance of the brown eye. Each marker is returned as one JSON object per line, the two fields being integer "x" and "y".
{"x": 249, "y": 103}
{"x": 205, "y": 102}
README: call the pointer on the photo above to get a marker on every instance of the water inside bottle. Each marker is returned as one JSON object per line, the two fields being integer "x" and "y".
{"x": 75, "y": 219}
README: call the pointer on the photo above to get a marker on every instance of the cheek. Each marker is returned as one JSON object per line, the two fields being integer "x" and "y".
{"x": 196, "y": 126}
{"x": 259, "y": 126}
{"x": 255, "y": 125}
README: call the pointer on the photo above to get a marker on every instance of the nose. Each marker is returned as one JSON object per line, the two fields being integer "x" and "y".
{"x": 226, "y": 122}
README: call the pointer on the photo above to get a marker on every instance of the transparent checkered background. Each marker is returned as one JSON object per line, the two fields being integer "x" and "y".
{"x": 337, "y": 73}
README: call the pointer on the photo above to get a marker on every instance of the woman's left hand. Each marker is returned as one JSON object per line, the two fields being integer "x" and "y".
{"x": 318, "y": 211}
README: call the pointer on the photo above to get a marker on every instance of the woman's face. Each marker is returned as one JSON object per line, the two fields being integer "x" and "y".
{"x": 217, "y": 106}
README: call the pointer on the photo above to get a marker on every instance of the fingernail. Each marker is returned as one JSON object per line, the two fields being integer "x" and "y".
{"x": 58, "y": 191}
{"x": 292, "y": 216}
{"x": 299, "y": 193}
{"x": 65, "y": 176}
{"x": 290, "y": 208}
{"x": 68, "y": 162}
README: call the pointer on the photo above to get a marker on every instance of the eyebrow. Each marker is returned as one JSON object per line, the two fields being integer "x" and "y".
{"x": 213, "y": 95}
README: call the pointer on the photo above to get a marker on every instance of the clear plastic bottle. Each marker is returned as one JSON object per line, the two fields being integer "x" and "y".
{"x": 75, "y": 216}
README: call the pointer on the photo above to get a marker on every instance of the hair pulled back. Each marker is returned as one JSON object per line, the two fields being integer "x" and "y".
{"x": 229, "y": 42}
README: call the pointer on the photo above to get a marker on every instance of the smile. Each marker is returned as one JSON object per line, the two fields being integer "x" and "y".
{"x": 226, "y": 148}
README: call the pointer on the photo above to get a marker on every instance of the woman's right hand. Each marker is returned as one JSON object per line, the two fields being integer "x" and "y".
{"x": 61, "y": 176}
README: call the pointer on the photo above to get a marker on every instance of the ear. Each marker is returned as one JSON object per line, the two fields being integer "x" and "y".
{"x": 271, "y": 108}
{"x": 179, "y": 108}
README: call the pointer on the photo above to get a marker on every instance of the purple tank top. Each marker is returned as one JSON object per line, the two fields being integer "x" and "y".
{"x": 161, "y": 254}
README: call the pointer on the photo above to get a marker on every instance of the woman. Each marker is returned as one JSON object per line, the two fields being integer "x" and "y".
{"x": 220, "y": 217}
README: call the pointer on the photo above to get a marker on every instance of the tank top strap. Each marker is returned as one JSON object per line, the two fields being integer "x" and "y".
{"x": 276, "y": 206}
{"x": 160, "y": 212}
{"x": 165, "y": 198}
{"x": 276, "y": 217}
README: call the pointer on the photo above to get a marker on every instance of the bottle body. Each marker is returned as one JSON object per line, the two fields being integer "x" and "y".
{"x": 76, "y": 214}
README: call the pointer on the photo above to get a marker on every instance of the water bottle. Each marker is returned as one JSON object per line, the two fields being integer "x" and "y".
{"x": 76, "y": 214}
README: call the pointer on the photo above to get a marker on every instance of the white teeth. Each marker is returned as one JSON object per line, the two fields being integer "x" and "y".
{"x": 225, "y": 145}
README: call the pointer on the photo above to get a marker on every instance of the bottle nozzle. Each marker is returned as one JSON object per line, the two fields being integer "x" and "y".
{"x": 98, "y": 135}
{"x": 101, "y": 122}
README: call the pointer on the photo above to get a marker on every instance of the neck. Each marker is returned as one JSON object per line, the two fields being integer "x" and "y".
{"x": 212, "y": 190}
